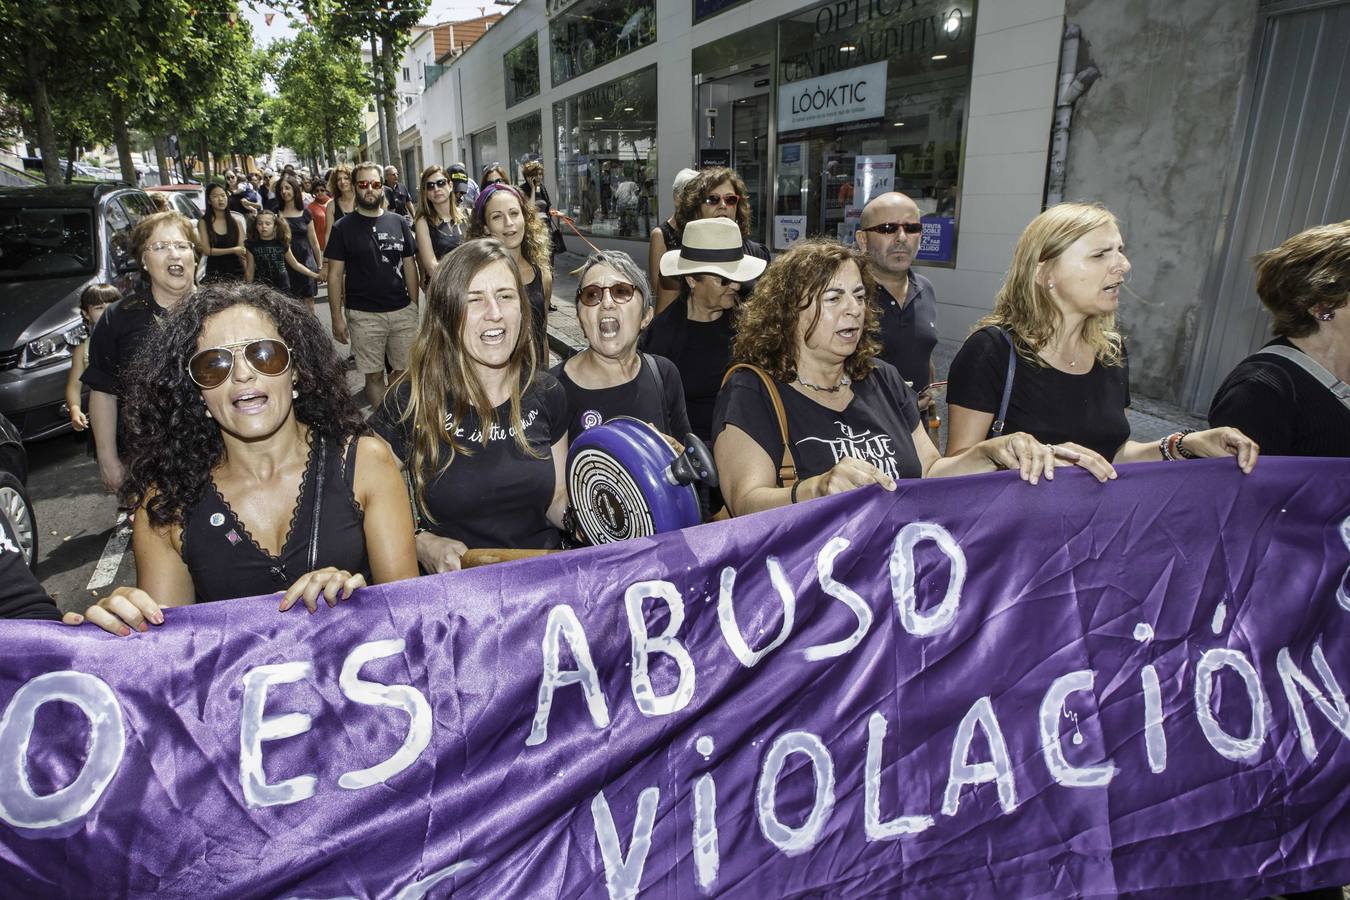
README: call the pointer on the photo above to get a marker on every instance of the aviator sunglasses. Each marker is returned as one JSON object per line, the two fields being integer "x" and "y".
{"x": 893, "y": 227}
{"x": 592, "y": 294}
{"x": 209, "y": 368}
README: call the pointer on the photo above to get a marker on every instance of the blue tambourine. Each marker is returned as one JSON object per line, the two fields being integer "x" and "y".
{"x": 625, "y": 481}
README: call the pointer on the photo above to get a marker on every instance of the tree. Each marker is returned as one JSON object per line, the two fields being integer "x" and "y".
{"x": 321, "y": 90}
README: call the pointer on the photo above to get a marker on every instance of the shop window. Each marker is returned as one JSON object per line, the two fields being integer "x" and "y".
{"x": 590, "y": 33}
{"x": 872, "y": 99}
{"x": 606, "y": 157}
{"x": 484, "y": 148}
{"x": 525, "y": 139}
{"x": 522, "y": 70}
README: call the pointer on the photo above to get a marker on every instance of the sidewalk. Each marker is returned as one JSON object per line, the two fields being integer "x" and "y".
{"x": 1149, "y": 419}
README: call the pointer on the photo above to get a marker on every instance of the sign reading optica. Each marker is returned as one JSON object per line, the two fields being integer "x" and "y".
{"x": 848, "y": 96}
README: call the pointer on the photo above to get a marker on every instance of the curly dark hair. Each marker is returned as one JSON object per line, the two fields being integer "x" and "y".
{"x": 172, "y": 447}
{"x": 690, "y": 206}
{"x": 766, "y": 329}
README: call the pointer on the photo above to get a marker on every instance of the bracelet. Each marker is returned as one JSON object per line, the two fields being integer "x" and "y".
{"x": 795, "y": 485}
{"x": 1180, "y": 449}
{"x": 1164, "y": 448}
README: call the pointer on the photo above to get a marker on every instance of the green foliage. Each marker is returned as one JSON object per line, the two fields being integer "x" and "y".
{"x": 321, "y": 89}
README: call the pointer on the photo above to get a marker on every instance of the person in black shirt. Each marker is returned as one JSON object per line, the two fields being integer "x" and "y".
{"x": 166, "y": 248}
{"x": 21, "y": 596}
{"x": 696, "y": 331}
{"x": 501, "y": 212}
{"x": 610, "y": 378}
{"x": 481, "y": 432}
{"x": 1277, "y": 395}
{"x": 397, "y": 197}
{"x": 373, "y": 284}
{"x": 889, "y": 233}
{"x": 439, "y": 227}
{"x": 1070, "y": 387}
{"x": 664, "y": 238}
{"x": 249, "y": 473}
{"x": 851, "y": 421}
{"x": 220, "y": 237}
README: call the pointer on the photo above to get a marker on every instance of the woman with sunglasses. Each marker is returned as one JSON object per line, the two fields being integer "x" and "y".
{"x": 696, "y": 331}
{"x": 718, "y": 194}
{"x": 440, "y": 220}
{"x": 502, "y": 213}
{"x": 493, "y": 173}
{"x": 480, "y": 430}
{"x": 248, "y": 470}
{"x": 610, "y": 377}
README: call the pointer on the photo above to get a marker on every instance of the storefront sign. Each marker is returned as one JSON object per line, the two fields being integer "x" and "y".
{"x": 937, "y": 244}
{"x": 788, "y": 230}
{"x": 847, "y": 96}
{"x": 872, "y": 177}
{"x": 714, "y": 158}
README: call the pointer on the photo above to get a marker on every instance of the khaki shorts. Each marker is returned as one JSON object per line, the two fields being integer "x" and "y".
{"x": 376, "y": 336}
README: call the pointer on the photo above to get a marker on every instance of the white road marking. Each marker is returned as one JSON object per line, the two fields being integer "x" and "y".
{"x": 111, "y": 561}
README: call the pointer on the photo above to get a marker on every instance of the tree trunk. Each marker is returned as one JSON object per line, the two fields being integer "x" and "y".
{"x": 377, "y": 76}
{"x": 162, "y": 160}
{"x": 117, "y": 110}
{"x": 42, "y": 115}
{"x": 70, "y": 160}
{"x": 391, "y": 104}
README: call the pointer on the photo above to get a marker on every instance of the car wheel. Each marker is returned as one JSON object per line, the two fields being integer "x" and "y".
{"x": 17, "y": 512}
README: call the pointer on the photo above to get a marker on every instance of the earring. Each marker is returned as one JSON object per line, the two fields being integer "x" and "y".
{"x": 295, "y": 395}
{"x": 1050, "y": 285}
{"x": 207, "y": 411}
{"x": 1326, "y": 315}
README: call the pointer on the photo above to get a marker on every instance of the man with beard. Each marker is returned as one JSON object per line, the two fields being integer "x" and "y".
{"x": 889, "y": 233}
{"x": 372, "y": 283}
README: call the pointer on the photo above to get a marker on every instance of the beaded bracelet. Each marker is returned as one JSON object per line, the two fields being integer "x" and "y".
{"x": 1180, "y": 449}
{"x": 1164, "y": 448}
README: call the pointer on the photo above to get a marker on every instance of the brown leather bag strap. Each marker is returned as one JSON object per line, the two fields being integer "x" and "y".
{"x": 787, "y": 469}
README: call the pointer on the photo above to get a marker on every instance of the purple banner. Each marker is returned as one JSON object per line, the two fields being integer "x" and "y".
{"x": 967, "y": 687}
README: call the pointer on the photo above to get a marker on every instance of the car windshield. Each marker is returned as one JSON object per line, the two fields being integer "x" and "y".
{"x": 45, "y": 243}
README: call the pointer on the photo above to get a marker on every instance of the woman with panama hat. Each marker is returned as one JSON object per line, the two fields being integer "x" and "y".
{"x": 696, "y": 331}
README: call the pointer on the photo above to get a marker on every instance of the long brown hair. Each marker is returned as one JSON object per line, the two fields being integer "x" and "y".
{"x": 427, "y": 210}
{"x": 537, "y": 248}
{"x": 342, "y": 169}
{"x": 1024, "y": 307}
{"x": 443, "y": 387}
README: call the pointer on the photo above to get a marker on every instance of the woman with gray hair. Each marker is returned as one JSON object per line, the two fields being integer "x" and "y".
{"x": 610, "y": 377}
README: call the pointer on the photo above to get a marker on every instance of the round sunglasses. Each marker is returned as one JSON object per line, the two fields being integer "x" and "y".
{"x": 592, "y": 294}
{"x": 209, "y": 368}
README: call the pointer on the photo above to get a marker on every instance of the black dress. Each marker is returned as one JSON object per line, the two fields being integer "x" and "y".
{"x": 444, "y": 238}
{"x": 302, "y": 285}
{"x": 225, "y": 560}
{"x": 228, "y": 266}
{"x": 539, "y": 309}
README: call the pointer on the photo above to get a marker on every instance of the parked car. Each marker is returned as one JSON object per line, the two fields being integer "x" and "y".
{"x": 54, "y": 241}
{"x": 195, "y": 193}
{"x": 15, "y": 507}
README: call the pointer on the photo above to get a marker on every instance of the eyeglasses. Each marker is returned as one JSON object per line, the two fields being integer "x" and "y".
{"x": 893, "y": 227}
{"x": 719, "y": 199}
{"x": 726, "y": 282}
{"x": 592, "y": 294}
{"x": 438, "y": 183}
{"x": 367, "y": 185}
{"x": 162, "y": 246}
{"x": 210, "y": 368}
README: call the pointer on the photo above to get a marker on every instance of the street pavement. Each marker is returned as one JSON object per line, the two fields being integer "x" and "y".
{"x": 83, "y": 552}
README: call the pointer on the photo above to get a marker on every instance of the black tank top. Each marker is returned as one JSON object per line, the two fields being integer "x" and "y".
{"x": 539, "y": 309}
{"x": 226, "y": 562}
{"x": 444, "y": 238}
{"x": 672, "y": 237}
{"x": 229, "y": 265}
{"x": 337, "y": 210}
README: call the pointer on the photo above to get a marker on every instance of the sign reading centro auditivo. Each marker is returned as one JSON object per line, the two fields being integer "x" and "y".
{"x": 848, "y": 96}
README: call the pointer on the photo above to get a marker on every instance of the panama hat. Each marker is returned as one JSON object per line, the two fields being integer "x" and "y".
{"x": 712, "y": 246}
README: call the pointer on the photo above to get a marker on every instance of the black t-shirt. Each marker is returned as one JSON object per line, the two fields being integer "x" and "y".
{"x": 399, "y": 199}
{"x": 372, "y": 250}
{"x": 877, "y": 426}
{"x": 1053, "y": 406}
{"x": 1282, "y": 407}
{"x": 117, "y": 338}
{"x": 909, "y": 334}
{"x": 21, "y": 596}
{"x": 269, "y": 263}
{"x": 498, "y": 496}
{"x": 702, "y": 353}
{"x": 640, "y": 398}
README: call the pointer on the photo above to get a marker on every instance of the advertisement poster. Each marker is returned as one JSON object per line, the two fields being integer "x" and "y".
{"x": 848, "y": 229}
{"x": 937, "y": 243}
{"x": 872, "y": 177}
{"x": 848, "y": 96}
{"x": 788, "y": 230}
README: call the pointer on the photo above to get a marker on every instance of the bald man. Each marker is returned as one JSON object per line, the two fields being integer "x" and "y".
{"x": 889, "y": 234}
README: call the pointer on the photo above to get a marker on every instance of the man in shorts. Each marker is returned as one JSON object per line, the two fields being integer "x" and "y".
{"x": 372, "y": 283}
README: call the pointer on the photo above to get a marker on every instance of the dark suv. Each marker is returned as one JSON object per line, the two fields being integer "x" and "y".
{"x": 54, "y": 241}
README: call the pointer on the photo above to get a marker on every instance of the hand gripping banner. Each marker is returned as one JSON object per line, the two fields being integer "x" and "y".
{"x": 965, "y": 687}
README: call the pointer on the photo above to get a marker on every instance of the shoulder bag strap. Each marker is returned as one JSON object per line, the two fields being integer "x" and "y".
{"x": 787, "y": 469}
{"x": 1001, "y": 419}
{"x": 1339, "y": 389}
{"x": 650, "y": 362}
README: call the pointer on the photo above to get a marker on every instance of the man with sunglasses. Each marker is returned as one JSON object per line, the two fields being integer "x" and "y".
{"x": 373, "y": 283}
{"x": 889, "y": 234}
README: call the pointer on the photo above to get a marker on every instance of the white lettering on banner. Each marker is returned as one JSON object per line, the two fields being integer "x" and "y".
{"x": 848, "y": 96}
{"x": 794, "y": 841}
{"x": 1335, "y": 709}
{"x": 726, "y": 614}
{"x": 1342, "y": 594}
{"x": 998, "y": 769}
{"x": 20, "y": 806}
{"x": 623, "y": 874}
{"x": 849, "y": 597}
{"x": 563, "y": 625}
{"x": 873, "y": 827}
{"x": 903, "y": 573}
{"x": 644, "y": 646}
{"x": 1155, "y": 739}
{"x": 707, "y": 851}
{"x": 400, "y": 696}
{"x": 1052, "y": 708}
{"x": 1227, "y": 746}
{"x": 255, "y": 728}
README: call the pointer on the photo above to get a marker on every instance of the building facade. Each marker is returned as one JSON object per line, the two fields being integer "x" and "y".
{"x": 821, "y": 105}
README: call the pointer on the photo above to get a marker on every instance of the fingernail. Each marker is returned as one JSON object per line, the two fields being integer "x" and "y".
{"x": 158, "y": 618}
{"x": 124, "y": 631}
{"x": 143, "y": 628}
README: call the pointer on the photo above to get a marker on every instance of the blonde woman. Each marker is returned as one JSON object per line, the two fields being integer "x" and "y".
{"x": 440, "y": 222}
{"x": 1055, "y": 317}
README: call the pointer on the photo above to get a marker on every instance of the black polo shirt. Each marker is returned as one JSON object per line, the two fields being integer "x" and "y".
{"x": 117, "y": 338}
{"x": 909, "y": 333}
